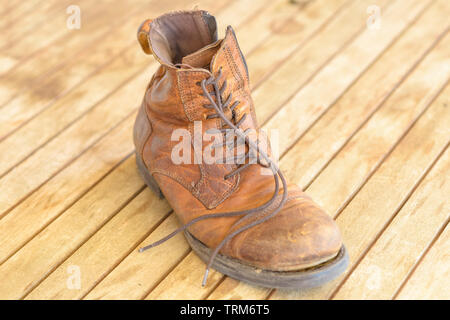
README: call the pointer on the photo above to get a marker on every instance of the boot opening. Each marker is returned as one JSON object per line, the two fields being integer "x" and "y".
{"x": 178, "y": 34}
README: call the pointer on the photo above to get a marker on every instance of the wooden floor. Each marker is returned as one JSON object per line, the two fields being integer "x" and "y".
{"x": 363, "y": 115}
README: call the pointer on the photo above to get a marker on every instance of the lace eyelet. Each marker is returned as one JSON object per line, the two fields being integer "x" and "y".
{"x": 198, "y": 83}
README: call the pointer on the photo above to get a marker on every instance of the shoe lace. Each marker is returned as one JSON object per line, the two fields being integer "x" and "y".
{"x": 220, "y": 107}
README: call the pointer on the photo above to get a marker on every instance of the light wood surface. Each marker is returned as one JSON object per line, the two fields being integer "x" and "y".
{"x": 363, "y": 117}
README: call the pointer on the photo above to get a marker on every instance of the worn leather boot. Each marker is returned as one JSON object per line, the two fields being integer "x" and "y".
{"x": 242, "y": 218}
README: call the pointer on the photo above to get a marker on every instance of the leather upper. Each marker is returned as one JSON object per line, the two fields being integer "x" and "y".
{"x": 302, "y": 234}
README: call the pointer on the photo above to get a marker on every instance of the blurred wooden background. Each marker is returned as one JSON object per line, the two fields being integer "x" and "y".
{"x": 358, "y": 89}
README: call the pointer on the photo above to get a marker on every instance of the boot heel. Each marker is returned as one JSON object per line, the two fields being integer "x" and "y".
{"x": 148, "y": 179}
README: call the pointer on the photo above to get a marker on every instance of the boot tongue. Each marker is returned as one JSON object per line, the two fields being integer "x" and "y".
{"x": 175, "y": 35}
{"x": 209, "y": 56}
{"x": 202, "y": 57}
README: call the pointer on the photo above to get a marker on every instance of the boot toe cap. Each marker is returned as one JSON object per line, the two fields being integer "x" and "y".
{"x": 301, "y": 236}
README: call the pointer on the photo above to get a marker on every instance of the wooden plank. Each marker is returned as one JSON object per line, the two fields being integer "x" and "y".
{"x": 322, "y": 142}
{"x": 367, "y": 149}
{"x": 237, "y": 13}
{"x": 45, "y": 204}
{"x": 266, "y": 22}
{"x": 18, "y": 11}
{"x": 431, "y": 280}
{"x": 296, "y": 71}
{"x": 47, "y": 250}
{"x": 366, "y": 216}
{"x": 101, "y": 253}
{"x": 311, "y": 102}
{"x": 9, "y": 7}
{"x": 35, "y": 16}
{"x": 233, "y": 289}
{"x": 322, "y": 92}
{"x": 7, "y": 62}
{"x": 183, "y": 282}
{"x": 81, "y": 100}
{"x": 140, "y": 271}
{"x": 53, "y": 71}
{"x": 289, "y": 36}
{"x": 56, "y": 33}
{"x": 57, "y": 153}
{"x": 387, "y": 264}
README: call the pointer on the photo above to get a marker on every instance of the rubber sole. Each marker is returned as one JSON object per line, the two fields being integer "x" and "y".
{"x": 303, "y": 278}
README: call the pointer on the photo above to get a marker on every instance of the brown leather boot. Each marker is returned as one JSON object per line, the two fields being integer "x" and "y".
{"x": 239, "y": 216}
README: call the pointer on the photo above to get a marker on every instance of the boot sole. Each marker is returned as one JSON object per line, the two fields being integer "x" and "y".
{"x": 298, "y": 279}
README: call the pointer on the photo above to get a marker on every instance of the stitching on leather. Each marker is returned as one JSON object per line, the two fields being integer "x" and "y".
{"x": 174, "y": 177}
{"x": 204, "y": 182}
{"x": 236, "y": 74}
{"x": 235, "y": 69}
{"x": 228, "y": 192}
{"x": 186, "y": 185}
{"x": 191, "y": 102}
{"x": 186, "y": 92}
{"x": 240, "y": 57}
{"x": 180, "y": 83}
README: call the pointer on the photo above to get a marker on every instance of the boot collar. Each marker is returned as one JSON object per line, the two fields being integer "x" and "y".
{"x": 215, "y": 55}
{"x": 177, "y": 34}
{"x": 189, "y": 37}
